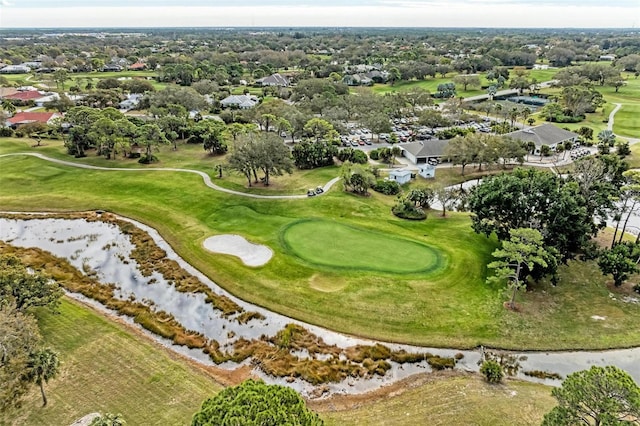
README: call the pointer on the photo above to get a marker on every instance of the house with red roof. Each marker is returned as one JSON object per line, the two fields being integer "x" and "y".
{"x": 29, "y": 95}
{"x": 138, "y": 66}
{"x": 32, "y": 117}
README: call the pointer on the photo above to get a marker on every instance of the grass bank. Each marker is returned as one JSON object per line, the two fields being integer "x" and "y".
{"x": 443, "y": 399}
{"x": 107, "y": 368}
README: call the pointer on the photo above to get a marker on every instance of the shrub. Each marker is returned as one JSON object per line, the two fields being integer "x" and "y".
{"x": 441, "y": 363}
{"x": 636, "y": 288}
{"x": 6, "y": 132}
{"x": 374, "y": 155}
{"x": 255, "y": 403}
{"x": 359, "y": 157}
{"x": 387, "y": 187}
{"x": 492, "y": 371}
{"x": 543, "y": 375}
{"x": 406, "y": 209}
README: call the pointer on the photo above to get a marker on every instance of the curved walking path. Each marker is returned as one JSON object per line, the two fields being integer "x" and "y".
{"x": 205, "y": 177}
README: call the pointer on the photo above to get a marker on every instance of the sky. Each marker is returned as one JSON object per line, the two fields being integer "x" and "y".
{"x": 321, "y": 13}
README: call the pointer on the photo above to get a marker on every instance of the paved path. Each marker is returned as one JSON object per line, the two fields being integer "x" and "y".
{"x": 205, "y": 177}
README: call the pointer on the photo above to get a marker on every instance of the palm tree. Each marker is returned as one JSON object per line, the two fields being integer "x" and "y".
{"x": 43, "y": 365}
{"x": 606, "y": 137}
{"x": 394, "y": 75}
{"x": 8, "y": 106}
{"x": 498, "y": 110}
{"x": 513, "y": 115}
{"x": 525, "y": 113}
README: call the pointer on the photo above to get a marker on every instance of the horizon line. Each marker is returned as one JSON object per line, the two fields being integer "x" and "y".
{"x": 108, "y": 27}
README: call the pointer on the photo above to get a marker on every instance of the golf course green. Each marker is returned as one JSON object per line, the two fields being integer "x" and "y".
{"x": 331, "y": 244}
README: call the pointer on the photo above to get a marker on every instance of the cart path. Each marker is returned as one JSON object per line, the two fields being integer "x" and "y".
{"x": 205, "y": 177}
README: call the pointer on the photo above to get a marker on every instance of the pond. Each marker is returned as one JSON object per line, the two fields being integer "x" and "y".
{"x": 102, "y": 249}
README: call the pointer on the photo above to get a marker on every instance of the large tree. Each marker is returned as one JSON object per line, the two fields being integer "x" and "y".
{"x": 309, "y": 155}
{"x": 19, "y": 337}
{"x": 254, "y": 403}
{"x": 517, "y": 258}
{"x": 150, "y": 136}
{"x": 532, "y": 199}
{"x": 212, "y": 135}
{"x": 466, "y": 80}
{"x": 264, "y": 152}
{"x": 620, "y": 261}
{"x": 357, "y": 178}
{"x": 598, "y": 396}
{"x": 24, "y": 288}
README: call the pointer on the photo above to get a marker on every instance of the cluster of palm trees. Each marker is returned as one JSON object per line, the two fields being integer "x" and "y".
{"x": 507, "y": 114}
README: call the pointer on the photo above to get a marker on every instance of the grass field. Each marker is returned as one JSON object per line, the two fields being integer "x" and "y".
{"x": 451, "y": 306}
{"x": 431, "y": 84}
{"x": 362, "y": 249}
{"x": 106, "y": 368}
{"x": 627, "y": 121}
{"x": 446, "y": 399}
{"x": 81, "y": 78}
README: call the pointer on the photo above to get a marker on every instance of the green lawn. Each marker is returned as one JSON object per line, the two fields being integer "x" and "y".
{"x": 450, "y": 306}
{"x": 627, "y": 121}
{"x": 107, "y": 368}
{"x": 442, "y": 400}
{"x": 431, "y": 84}
{"x": 362, "y": 249}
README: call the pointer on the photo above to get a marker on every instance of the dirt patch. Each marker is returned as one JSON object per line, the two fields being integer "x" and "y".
{"x": 251, "y": 254}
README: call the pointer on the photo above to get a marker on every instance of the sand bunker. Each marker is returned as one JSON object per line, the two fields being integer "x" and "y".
{"x": 251, "y": 254}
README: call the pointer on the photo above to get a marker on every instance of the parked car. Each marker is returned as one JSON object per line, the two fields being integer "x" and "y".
{"x": 319, "y": 190}
{"x": 367, "y": 141}
{"x": 311, "y": 193}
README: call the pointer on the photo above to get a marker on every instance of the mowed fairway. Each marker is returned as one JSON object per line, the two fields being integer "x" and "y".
{"x": 328, "y": 243}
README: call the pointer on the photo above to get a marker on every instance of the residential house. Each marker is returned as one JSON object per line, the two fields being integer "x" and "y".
{"x": 544, "y": 134}
{"x": 24, "y": 96}
{"x": 401, "y": 176}
{"x": 15, "y": 69}
{"x": 132, "y": 101}
{"x": 239, "y": 101}
{"x": 32, "y": 117}
{"x": 33, "y": 65}
{"x": 46, "y": 98}
{"x": 274, "y": 80}
{"x": 112, "y": 68}
{"x": 378, "y": 76}
{"x": 357, "y": 80}
{"x": 138, "y": 66}
{"x": 424, "y": 152}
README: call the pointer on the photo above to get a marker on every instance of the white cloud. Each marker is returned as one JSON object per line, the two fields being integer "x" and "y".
{"x": 437, "y": 14}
